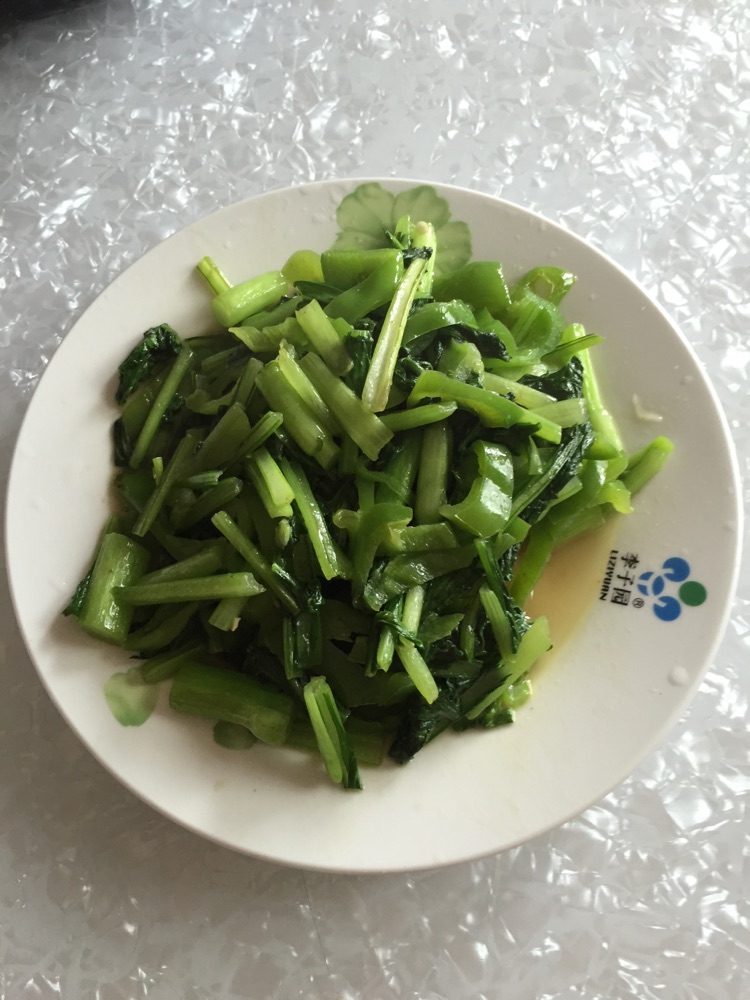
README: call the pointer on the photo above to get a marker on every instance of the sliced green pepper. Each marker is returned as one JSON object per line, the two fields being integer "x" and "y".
{"x": 373, "y": 528}
{"x": 480, "y": 283}
{"x": 486, "y": 509}
{"x": 234, "y": 304}
{"x": 346, "y": 268}
{"x": 374, "y": 291}
{"x": 437, "y": 316}
{"x": 492, "y": 410}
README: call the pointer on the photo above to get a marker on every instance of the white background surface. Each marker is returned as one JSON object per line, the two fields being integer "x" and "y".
{"x": 123, "y": 121}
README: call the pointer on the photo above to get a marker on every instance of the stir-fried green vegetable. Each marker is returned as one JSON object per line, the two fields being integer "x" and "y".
{"x": 335, "y": 511}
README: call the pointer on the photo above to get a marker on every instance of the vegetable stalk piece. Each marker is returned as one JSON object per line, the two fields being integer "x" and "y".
{"x": 517, "y": 621}
{"x": 164, "y": 666}
{"x": 419, "y": 538}
{"x": 380, "y": 375}
{"x": 463, "y": 361}
{"x": 275, "y": 315}
{"x": 234, "y": 304}
{"x": 529, "y": 568}
{"x": 204, "y": 588}
{"x": 535, "y": 323}
{"x": 165, "y": 626}
{"x": 269, "y": 338}
{"x": 413, "y": 661}
{"x": 424, "y": 238}
{"x": 119, "y": 562}
{"x": 564, "y": 412}
{"x": 164, "y": 397}
{"x": 299, "y": 420}
{"x": 226, "y": 614}
{"x": 524, "y": 395}
{"x": 216, "y": 693}
{"x": 333, "y": 741}
{"x": 363, "y": 427}
{"x": 272, "y": 487}
{"x": 225, "y": 442}
{"x": 255, "y": 560}
{"x": 232, "y": 736}
{"x": 607, "y": 442}
{"x": 302, "y": 643}
{"x": 304, "y": 388}
{"x": 331, "y": 559}
{"x": 169, "y": 476}
{"x": 644, "y": 465}
{"x": 268, "y": 424}
{"x": 245, "y": 384}
{"x": 386, "y": 644}
{"x": 535, "y": 643}
{"x": 498, "y": 620}
{"x": 324, "y": 338}
{"x": 492, "y": 410}
{"x": 432, "y": 478}
{"x": 204, "y": 563}
{"x": 212, "y": 500}
{"x": 217, "y": 280}
{"x": 401, "y": 469}
{"x": 419, "y": 416}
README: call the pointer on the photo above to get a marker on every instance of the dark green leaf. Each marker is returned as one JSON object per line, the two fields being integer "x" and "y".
{"x": 79, "y": 596}
{"x": 159, "y": 344}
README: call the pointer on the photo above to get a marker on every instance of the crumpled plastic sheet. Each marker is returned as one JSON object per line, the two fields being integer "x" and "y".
{"x": 123, "y": 120}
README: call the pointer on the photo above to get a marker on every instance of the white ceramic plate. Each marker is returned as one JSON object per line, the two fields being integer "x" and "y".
{"x": 606, "y": 698}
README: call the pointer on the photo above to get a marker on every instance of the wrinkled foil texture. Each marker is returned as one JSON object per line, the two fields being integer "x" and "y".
{"x": 122, "y": 121}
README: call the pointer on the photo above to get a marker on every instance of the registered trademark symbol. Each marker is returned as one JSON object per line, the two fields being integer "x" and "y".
{"x": 638, "y": 602}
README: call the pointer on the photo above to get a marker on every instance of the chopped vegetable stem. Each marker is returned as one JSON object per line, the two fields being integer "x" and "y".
{"x": 257, "y": 563}
{"x": 378, "y": 382}
{"x": 164, "y": 397}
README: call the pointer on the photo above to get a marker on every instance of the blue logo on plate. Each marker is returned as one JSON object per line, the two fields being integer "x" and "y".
{"x": 671, "y": 589}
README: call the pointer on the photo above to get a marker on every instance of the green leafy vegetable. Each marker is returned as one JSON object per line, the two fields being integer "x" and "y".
{"x": 159, "y": 345}
{"x": 336, "y": 510}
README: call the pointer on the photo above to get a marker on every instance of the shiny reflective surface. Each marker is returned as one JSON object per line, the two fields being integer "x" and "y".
{"x": 121, "y": 122}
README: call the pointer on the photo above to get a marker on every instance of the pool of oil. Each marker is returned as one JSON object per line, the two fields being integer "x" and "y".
{"x": 570, "y": 584}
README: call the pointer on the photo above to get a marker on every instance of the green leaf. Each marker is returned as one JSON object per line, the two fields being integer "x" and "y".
{"x": 421, "y": 204}
{"x": 159, "y": 344}
{"x": 367, "y": 209}
{"x": 356, "y": 239}
{"x": 453, "y": 247}
{"x": 367, "y": 214}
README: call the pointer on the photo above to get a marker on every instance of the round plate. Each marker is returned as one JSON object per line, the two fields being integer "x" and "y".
{"x": 657, "y": 590}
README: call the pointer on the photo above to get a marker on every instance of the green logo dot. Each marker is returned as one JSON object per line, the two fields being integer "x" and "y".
{"x": 692, "y": 593}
